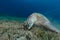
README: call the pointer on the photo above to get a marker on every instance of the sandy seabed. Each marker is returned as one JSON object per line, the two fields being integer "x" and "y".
{"x": 13, "y": 30}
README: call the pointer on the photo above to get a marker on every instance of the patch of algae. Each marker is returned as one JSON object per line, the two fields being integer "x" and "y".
{"x": 13, "y": 30}
{"x": 45, "y": 34}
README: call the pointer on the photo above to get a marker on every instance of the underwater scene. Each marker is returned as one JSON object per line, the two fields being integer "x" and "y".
{"x": 29, "y": 19}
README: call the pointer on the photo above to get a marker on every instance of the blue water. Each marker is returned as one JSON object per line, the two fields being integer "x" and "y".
{"x": 23, "y": 8}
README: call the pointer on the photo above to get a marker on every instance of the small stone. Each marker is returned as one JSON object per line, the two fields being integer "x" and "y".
{"x": 22, "y": 38}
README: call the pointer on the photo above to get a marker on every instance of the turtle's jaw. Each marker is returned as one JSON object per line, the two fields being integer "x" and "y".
{"x": 28, "y": 26}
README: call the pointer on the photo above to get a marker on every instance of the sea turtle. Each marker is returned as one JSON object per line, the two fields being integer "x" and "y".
{"x": 39, "y": 19}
